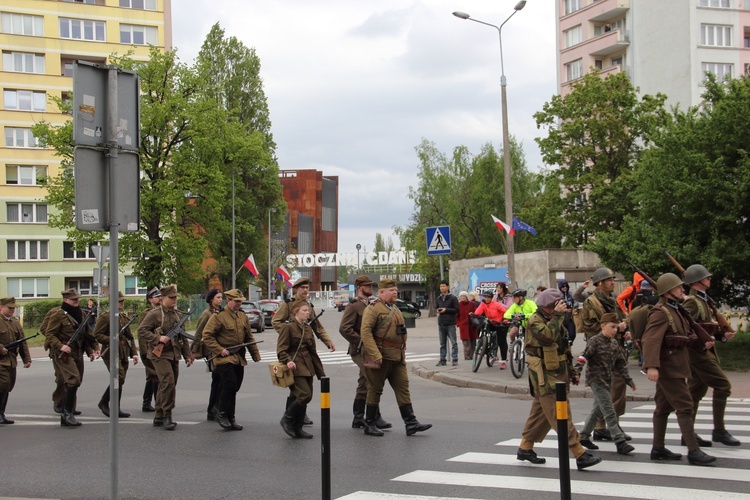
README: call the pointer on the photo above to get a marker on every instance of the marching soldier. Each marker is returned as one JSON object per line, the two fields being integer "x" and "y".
{"x": 225, "y": 330}
{"x": 384, "y": 345}
{"x": 10, "y": 330}
{"x": 549, "y": 359}
{"x": 213, "y": 298}
{"x": 594, "y": 307}
{"x": 704, "y": 363}
{"x": 154, "y": 328}
{"x": 153, "y": 297}
{"x": 350, "y": 327}
{"x": 666, "y": 361}
{"x": 67, "y": 360}
{"x": 126, "y": 350}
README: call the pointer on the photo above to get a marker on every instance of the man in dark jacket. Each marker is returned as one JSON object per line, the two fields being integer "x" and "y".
{"x": 568, "y": 322}
{"x": 447, "y": 308}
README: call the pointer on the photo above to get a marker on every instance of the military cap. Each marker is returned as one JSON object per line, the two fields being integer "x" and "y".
{"x": 71, "y": 294}
{"x": 363, "y": 281}
{"x": 549, "y": 298}
{"x": 300, "y": 282}
{"x": 386, "y": 283}
{"x": 153, "y": 293}
{"x": 8, "y": 302}
{"x": 609, "y": 318}
{"x": 169, "y": 291}
{"x": 212, "y": 294}
{"x": 120, "y": 296}
{"x": 234, "y": 294}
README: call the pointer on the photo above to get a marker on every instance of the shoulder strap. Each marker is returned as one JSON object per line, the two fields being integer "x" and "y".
{"x": 596, "y": 304}
{"x": 669, "y": 317}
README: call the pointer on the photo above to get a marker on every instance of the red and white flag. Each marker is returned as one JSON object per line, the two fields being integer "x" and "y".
{"x": 502, "y": 226}
{"x": 283, "y": 275}
{"x": 250, "y": 265}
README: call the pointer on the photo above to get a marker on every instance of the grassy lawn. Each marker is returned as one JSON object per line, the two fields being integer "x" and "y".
{"x": 735, "y": 354}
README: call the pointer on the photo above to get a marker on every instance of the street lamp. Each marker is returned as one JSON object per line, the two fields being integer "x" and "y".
{"x": 506, "y": 146}
{"x": 234, "y": 264}
{"x": 359, "y": 247}
{"x": 269, "y": 251}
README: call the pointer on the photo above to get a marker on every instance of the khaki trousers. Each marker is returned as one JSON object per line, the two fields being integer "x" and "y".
{"x": 542, "y": 418}
{"x": 706, "y": 372}
{"x": 168, "y": 371}
{"x": 396, "y": 375}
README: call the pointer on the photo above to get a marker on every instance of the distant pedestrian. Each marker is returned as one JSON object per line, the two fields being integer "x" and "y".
{"x": 466, "y": 330}
{"x": 502, "y": 295}
{"x": 572, "y": 304}
{"x": 447, "y": 309}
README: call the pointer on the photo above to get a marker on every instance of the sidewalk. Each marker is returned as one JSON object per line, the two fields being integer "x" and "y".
{"x": 496, "y": 380}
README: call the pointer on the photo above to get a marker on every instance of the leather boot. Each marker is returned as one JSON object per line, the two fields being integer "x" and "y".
{"x": 380, "y": 423}
{"x": 587, "y": 460}
{"x": 529, "y": 455}
{"x": 703, "y": 443}
{"x": 301, "y": 416}
{"x": 359, "y": 414}
{"x": 4, "y": 403}
{"x": 664, "y": 454}
{"x": 623, "y": 448}
{"x": 288, "y": 421}
{"x": 371, "y": 412}
{"x": 104, "y": 403}
{"x": 235, "y": 425}
{"x": 169, "y": 424}
{"x": 223, "y": 419}
{"x": 698, "y": 457}
{"x": 212, "y": 413}
{"x": 305, "y": 419}
{"x": 120, "y": 413}
{"x": 412, "y": 425}
{"x": 67, "y": 419}
{"x": 148, "y": 392}
{"x": 720, "y": 436}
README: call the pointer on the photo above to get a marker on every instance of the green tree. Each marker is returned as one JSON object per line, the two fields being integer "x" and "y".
{"x": 596, "y": 133}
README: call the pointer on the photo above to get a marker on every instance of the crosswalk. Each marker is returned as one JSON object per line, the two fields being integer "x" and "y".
{"x": 635, "y": 476}
{"x": 342, "y": 358}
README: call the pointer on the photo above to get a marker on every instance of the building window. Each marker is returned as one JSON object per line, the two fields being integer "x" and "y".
{"x": 25, "y": 100}
{"x": 572, "y": 6}
{"x": 69, "y": 252}
{"x": 28, "y": 250}
{"x": 134, "y": 286}
{"x": 81, "y": 29}
{"x": 138, "y": 4}
{"x": 28, "y": 287}
{"x": 573, "y": 36}
{"x": 25, "y": 175}
{"x": 85, "y": 286}
{"x": 23, "y": 62}
{"x": 26, "y": 212}
{"x": 132, "y": 34}
{"x": 574, "y": 70}
{"x": 724, "y": 4}
{"x": 721, "y": 70}
{"x": 90, "y": 2}
{"x": 17, "y": 137}
{"x": 714, "y": 35}
{"x": 22, "y": 24}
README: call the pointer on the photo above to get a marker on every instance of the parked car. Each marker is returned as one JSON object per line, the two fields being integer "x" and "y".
{"x": 254, "y": 315}
{"x": 407, "y": 307}
{"x": 341, "y": 301}
{"x": 269, "y": 307}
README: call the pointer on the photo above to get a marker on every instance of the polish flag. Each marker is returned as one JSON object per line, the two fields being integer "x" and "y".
{"x": 283, "y": 275}
{"x": 250, "y": 265}
{"x": 502, "y": 226}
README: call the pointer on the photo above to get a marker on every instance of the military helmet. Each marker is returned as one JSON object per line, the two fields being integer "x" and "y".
{"x": 601, "y": 274}
{"x": 667, "y": 282}
{"x": 695, "y": 273}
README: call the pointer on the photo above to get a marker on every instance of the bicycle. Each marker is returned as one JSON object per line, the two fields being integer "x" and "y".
{"x": 486, "y": 342}
{"x": 517, "y": 354}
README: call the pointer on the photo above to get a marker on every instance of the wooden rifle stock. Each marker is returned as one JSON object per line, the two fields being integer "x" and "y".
{"x": 63, "y": 356}
{"x": 174, "y": 332}
{"x": 233, "y": 349}
{"x": 643, "y": 274}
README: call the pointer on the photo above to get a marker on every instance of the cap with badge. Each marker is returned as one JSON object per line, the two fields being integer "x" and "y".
{"x": 234, "y": 294}
{"x": 609, "y": 318}
{"x": 300, "y": 282}
{"x": 169, "y": 291}
{"x": 386, "y": 283}
{"x": 363, "y": 281}
{"x": 9, "y": 302}
{"x": 153, "y": 293}
{"x": 71, "y": 294}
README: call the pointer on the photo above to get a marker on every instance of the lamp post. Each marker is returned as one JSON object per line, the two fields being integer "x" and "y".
{"x": 359, "y": 247}
{"x": 269, "y": 251}
{"x": 506, "y": 146}
{"x": 234, "y": 264}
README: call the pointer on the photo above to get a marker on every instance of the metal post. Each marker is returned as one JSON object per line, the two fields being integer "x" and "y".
{"x": 508, "y": 191}
{"x": 561, "y": 409}
{"x": 325, "y": 429}
{"x": 269, "y": 254}
{"x": 114, "y": 313}
{"x": 234, "y": 265}
{"x": 441, "y": 268}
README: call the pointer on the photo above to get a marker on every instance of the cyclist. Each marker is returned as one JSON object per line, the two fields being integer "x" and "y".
{"x": 494, "y": 311}
{"x": 521, "y": 305}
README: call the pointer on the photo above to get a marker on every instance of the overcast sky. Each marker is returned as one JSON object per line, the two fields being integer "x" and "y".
{"x": 353, "y": 86}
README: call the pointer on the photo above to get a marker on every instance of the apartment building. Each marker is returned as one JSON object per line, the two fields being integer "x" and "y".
{"x": 663, "y": 45}
{"x": 40, "y": 40}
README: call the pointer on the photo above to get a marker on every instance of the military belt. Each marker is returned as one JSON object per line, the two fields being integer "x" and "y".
{"x": 388, "y": 343}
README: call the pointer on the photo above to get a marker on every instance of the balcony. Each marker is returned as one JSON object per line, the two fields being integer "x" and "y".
{"x": 606, "y": 10}
{"x": 602, "y": 45}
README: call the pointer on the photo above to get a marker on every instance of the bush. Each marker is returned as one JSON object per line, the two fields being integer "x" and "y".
{"x": 735, "y": 354}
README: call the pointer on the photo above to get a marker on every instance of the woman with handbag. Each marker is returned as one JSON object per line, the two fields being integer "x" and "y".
{"x": 296, "y": 349}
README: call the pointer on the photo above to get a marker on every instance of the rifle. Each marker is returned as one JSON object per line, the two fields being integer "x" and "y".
{"x": 63, "y": 356}
{"x": 312, "y": 321}
{"x": 696, "y": 327}
{"x": 124, "y": 333}
{"x": 17, "y": 342}
{"x": 174, "y": 332}
{"x": 724, "y": 325}
{"x": 233, "y": 349}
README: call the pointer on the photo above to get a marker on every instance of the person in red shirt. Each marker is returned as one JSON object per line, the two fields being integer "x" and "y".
{"x": 494, "y": 311}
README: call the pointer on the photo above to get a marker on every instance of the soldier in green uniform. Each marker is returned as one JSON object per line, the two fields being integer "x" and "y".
{"x": 61, "y": 324}
{"x": 213, "y": 298}
{"x": 153, "y": 297}
{"x": 594, "y": 307}
{"x": 157, "y": 323}
{"x": 300, "y": 291}
{"x": 666, "y": 361}
{"x": 384, "y": 344}
{"x": 10, "y": 330}
{"x": 225, "y": 330}
{"x": 349, "y": 328}
{"x": 704, "y": 363}
{"x": 126, "y": 350}
{"x": 549, "y": 359}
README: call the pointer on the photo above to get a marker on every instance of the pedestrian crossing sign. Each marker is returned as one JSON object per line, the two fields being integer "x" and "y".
{"x": 438, "y": 240}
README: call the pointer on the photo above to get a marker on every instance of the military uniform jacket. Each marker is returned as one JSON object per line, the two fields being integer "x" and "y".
{"x": 101, "y": 334}
{"x": 299, "y": 339}
{"x": 284, "y": 314}
{"x": 10, "y": 330}
{"x": 603, "y": 356}
{"x": 594, "y": 307}
{"x": 637, "y": 320}
{"x": 542, "y": 332}
{"x": 226, "y": 329}
{"x": 351, "y": 324}
{"x": 696, "y": 304}
{"x": 142, "y": 344}
{"x": 379, "y": 332}
{"x": 58, "y": 328}
{"x": 198, "y": 348}
{"x": 672, "y": 362}
{"x": 164, "y": 319}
